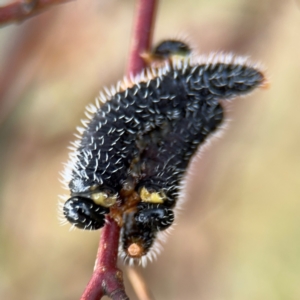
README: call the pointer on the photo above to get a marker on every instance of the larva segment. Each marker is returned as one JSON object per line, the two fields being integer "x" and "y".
{"x": 154, "y": 216}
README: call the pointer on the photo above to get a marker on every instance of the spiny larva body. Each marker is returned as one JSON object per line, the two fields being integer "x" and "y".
{"x": 135, "y": 150}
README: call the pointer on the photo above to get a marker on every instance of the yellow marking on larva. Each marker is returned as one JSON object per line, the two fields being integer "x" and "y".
{"x": 103, "y": 199}
{"x": 155, "y": 197}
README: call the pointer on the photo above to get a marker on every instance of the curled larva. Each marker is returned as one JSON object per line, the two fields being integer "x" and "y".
{"x": 133, "y": 152}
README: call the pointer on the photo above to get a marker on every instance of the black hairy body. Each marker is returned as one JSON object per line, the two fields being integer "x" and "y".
{"x": 145, "y": 136}
{"x": 162, "y": 121}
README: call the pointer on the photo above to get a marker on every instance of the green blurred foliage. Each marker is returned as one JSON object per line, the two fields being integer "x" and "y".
{"x": 238, "y": 236}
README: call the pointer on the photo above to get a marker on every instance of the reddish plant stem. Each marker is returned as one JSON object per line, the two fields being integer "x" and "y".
{"x": 107, "y": 279}
{"x": 23, "y": 9}
{"x": 142, "y": 35}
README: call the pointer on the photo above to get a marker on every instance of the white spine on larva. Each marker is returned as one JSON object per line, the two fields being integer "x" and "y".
{"x": 60, "y": 205}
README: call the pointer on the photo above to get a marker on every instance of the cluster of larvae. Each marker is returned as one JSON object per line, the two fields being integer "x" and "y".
{"x": 130, "y": 159}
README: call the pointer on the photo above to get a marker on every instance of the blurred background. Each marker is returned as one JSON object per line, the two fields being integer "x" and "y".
{"x": 238, "y": 236}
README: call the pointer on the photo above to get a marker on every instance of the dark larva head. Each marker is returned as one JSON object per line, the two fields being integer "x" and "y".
{"x": 168, "y": 48}
{"x": 84, "y": 213}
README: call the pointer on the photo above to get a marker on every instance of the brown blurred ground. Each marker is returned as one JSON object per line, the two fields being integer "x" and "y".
{"x": 239, "y": 234}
